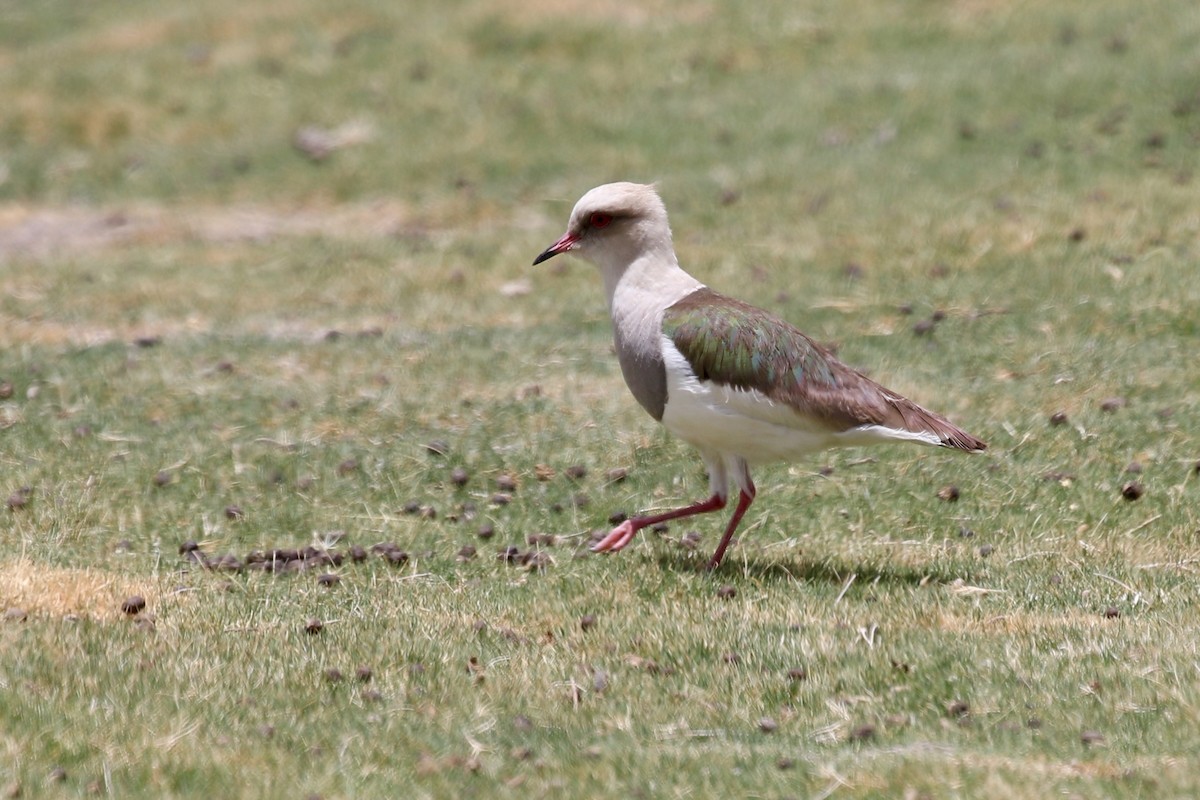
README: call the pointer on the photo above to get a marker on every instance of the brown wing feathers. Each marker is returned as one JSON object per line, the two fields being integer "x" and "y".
{"x": 736, "y": 344}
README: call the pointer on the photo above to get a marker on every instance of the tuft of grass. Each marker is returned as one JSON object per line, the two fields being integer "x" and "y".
{"x": 210, "y": 335}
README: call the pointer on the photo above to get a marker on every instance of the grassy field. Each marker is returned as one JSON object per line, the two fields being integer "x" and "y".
{"x": 265, "y": 285}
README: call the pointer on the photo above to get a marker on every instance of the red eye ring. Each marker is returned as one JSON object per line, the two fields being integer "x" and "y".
{"x": 600, "y": 220}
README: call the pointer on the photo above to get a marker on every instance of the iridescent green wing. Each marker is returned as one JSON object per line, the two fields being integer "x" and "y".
{"x": 735, "y": 344}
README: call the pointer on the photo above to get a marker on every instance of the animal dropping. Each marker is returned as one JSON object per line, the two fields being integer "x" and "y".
{"x": 739, "y": 384}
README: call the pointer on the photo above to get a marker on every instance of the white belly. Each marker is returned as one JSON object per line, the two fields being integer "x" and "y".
{"x": 748, "y": 424}
{"x": 709, "y": 417}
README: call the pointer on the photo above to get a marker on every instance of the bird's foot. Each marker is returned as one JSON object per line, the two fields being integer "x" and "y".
{"x": 617, "y": 538}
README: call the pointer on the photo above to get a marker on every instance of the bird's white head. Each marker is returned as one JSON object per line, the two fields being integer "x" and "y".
{"x": 615, "y": 224}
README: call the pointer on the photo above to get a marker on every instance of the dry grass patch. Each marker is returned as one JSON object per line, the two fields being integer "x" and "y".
{"x": 41, "y": 589}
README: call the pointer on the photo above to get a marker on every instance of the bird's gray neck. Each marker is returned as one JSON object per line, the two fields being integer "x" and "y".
{"x": 648, "y": 278}
{"x": 637, "y": 298}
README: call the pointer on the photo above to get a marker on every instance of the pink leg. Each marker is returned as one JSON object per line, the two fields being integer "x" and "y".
{"x": 623, "y": 534}
{"x": 744, "y": 502}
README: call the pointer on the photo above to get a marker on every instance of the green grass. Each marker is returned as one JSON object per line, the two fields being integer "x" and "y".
{"x": 1028, "y": 171}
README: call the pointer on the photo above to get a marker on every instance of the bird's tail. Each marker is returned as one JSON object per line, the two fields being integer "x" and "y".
{"x": 921, "y": 420}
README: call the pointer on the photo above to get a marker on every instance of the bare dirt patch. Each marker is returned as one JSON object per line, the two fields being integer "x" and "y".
{"x": 55, "y": 231}
{"x": 606, "y": 11}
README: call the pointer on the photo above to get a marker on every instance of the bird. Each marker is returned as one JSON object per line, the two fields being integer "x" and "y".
{"x": 738, "y": 383}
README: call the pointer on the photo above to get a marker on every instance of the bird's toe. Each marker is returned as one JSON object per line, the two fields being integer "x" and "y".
{"x": 616, "y": 539}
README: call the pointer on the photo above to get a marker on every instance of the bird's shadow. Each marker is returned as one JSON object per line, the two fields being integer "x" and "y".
{"x": 792, "y": 569}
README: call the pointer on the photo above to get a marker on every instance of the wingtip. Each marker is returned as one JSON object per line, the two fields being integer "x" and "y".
{"x": 962, "y": 440}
